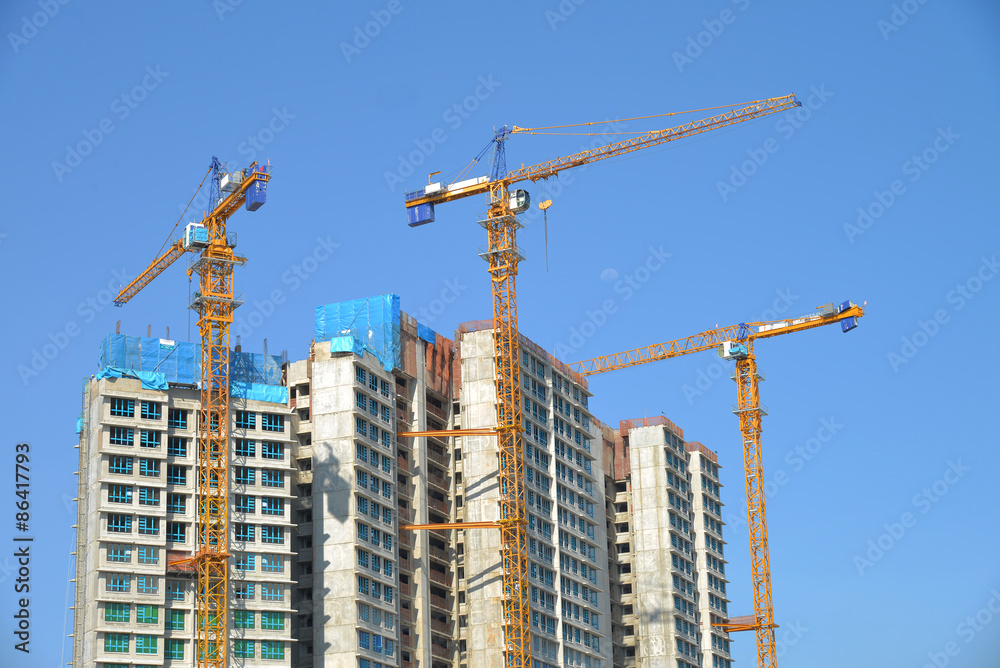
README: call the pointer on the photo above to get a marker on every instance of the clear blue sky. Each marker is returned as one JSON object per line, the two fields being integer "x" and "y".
{"x": 881, "y": 188}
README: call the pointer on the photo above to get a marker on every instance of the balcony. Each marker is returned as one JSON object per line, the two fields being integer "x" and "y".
{"x": 437, "y": 480}
{"x": 441, "y": 627}
{"x": 439, "y": 554}
{"x": 441, "y": 578}
{"x": 439, "y": 412}
{"x": 441, "y": 602}
{"x": 405, "y": 564}
{"x": 401, "y": 463}
{"x": 407, "y": 641}
{"x": 406, "y": 615}
{"x": 438, "y": 505}
{"x": 440, "y": 652}
{"x": 404, "y": 589}
{"x": 439, "y": 458}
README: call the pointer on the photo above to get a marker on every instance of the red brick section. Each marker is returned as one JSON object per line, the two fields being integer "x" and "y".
{"x": 695, "y": 446}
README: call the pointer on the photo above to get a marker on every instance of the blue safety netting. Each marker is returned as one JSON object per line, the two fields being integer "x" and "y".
{"x": 426, "y": 333}
{"x": 151, "y": 380}
{"x": 176, "y": 361}
{"x": 254, "y": 368}
{"x": 370, "y": 324}
{"x": 79, "y": 425}
{"x": 277, "y": 394}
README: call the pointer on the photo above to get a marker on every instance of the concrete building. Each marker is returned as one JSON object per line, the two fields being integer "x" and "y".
{"x": 134, "y": 602}
{"x": 667, "y": 560}
{"x": 322, "y": 573}
{"x": 564, "y": 489}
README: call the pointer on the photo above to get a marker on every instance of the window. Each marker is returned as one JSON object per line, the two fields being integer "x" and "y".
{"x": 272, "y": 563}
{"x": 175, "y": 590}
{"x": 176, "y": 503}
{"x": 149, "y": 526}
{"x": 361, "y": 400}
{"x": 149, "y": 439}
{"x": 387, "y": 490}
{"x": 362, "y": 585}
{"x": 245, "y": 448}
{"x": 364, "y": 639}
{"x": 149, "y": 496}
{"x": 147, "y": 614}
{"x": 177, "y": 418}
{"x": 177, "y": 446}
{"x": 119, "y": 552}
{"x": 116, "y": 612}
{"x": 118, "y": 582}
{"x": 116, "y": 642}
{"x": 245, "y": 475}
{"x": 359, "y": 375}
{"x": 150, "y": 410}
{"x": 272, "y": 534}
{"x": 176, "y": 531}
{"x": 272, "y": 621}
{"x": 176, "y": 620}
{"x": 119, "y": 464}
{"x": 148, "y": 554}
{"x": 176, "y": 474}
{"x": 387, "y": 516}
{"x": 270, "y": 591}
{"x": 388, "y": 594}
{"x": 244, "y": 591}
{"x": 146, "y": 584}
{"x": 272, "y": 505}
{"x": 243, "y": 619}
{"x": 245, "y": 420}
{"x": 245, "y": 533}
{"x": 244, "y": 649}
{"x": 122, "y": 407}
{"x": 175, "y": 649}
{"x": 149, "y": 468}
{"x": 245, "y": 562}
{"x": 272, "y": 422}
{"x": 361, "y": 426}
{"x": 272, "y": 450}
{"x": 272, "y": 478}
{"x": 118, "y": 523}
{"x": 121, "y": 436}
{"x": 272, "y": 649}
{"x": 119, "y": 494}
{"x": 245, "y": 504}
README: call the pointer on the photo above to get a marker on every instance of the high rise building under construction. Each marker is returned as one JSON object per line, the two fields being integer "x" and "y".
{"x": 625, "y": 544}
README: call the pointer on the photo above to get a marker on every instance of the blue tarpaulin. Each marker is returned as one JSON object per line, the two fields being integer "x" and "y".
{"x": 372, "y": 323}
{"x": 178, "y": 362}
{"x": 79, "y": 425}
{"x": 426, "y": 333}
{"x": 151, "y": 380}
{"x": 277, "y": 394}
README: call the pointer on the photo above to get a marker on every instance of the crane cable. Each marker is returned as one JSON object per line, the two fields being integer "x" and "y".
{"x": 534, "y": 131}
{"x": 167, "y": 240}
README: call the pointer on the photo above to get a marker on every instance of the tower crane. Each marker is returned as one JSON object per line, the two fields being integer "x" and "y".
{"x": 736, "y": 343}
{"x": 214, "y": 303}
{"x": 503, "y": 256}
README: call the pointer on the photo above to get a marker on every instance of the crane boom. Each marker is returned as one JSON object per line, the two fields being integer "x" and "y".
{"x": 736, "y": 342}
{"x": 438, "y": 193}
{"x": 152, "y": 271}
{"x": 846, "y": 313}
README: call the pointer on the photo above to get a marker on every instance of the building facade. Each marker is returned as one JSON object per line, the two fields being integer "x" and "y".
{"x": 135, "y": 591}
{"x": 624, "y": 526}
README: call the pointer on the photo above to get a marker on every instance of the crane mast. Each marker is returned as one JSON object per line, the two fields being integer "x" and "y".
{"x": 502, "y": 255}
{"x": 736, "y": 343}
{"x": 214, "y": 303}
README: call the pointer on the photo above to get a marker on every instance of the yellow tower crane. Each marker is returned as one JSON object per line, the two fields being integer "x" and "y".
{"x": 736, "y": 343}
{"x": 502, "y": 255}
{"x": 214, "y": 303}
